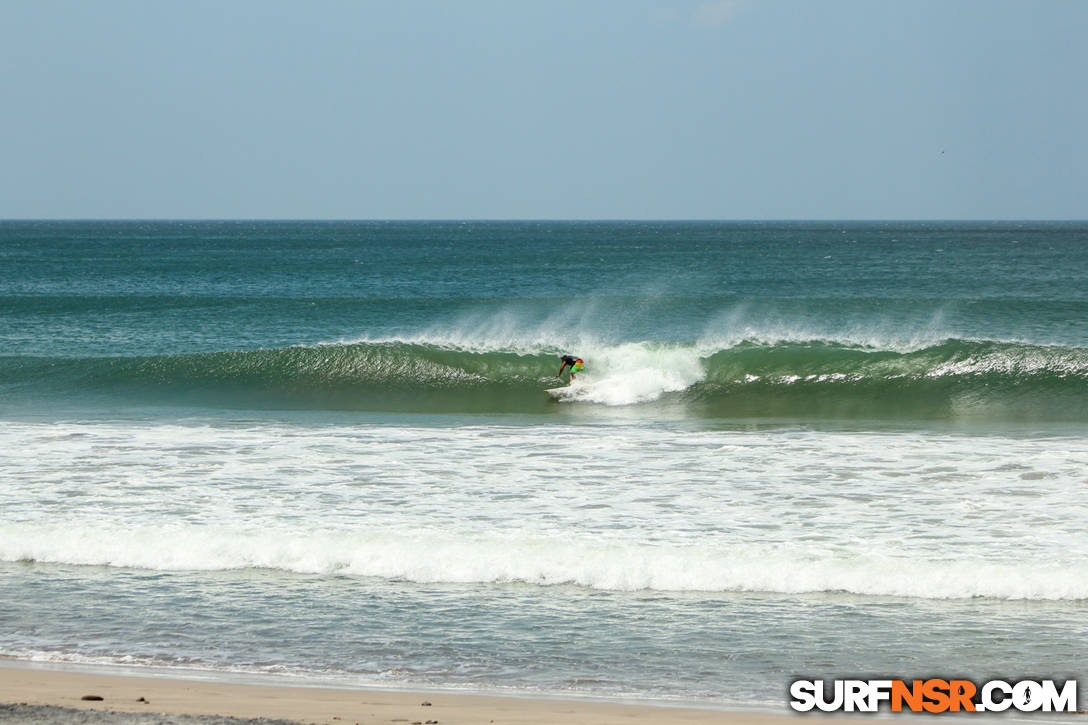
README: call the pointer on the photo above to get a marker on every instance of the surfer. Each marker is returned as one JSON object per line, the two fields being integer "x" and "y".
{"x": 575, "y": 363}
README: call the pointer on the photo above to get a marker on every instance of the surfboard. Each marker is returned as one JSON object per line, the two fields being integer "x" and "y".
{"x": 565, "y": 392}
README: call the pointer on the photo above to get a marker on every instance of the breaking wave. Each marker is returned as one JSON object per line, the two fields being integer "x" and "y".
{"x": 948, "y": 379}
{"x": 441, "y": 557}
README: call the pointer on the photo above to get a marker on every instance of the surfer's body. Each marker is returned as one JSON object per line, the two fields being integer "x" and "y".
{"x": 573, "y": 362}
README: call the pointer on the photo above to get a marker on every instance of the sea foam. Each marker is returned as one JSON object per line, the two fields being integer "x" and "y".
{"x": 603, "y": 506}
{"x": 442, "y": 557}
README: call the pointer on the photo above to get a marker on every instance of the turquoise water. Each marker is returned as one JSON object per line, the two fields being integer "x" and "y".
{"x": 326, "y": 449}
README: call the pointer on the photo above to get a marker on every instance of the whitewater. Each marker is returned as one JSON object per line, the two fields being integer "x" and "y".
{"x": 327, "y": 450}
{"x": 552, "y": 505}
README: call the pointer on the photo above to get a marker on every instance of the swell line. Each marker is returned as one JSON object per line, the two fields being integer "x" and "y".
{"x": 797, "y": 378}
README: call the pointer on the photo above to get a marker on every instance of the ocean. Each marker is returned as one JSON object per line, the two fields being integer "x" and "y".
{"x": 326, "y": 451}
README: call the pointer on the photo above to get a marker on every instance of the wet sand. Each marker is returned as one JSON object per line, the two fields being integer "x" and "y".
{"x": 38, "y": 695}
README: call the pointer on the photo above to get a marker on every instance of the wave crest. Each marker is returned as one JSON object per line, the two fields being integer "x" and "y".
{"x": 751, "y": 378}
{"x": 442, "y": 557}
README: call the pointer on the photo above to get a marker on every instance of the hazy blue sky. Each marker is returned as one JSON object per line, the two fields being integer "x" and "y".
{"x": 743, "y": 109}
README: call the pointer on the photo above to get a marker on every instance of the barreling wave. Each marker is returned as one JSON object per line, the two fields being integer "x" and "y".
{"x": 794, "y": 379}
{"x": 443, "y": 557}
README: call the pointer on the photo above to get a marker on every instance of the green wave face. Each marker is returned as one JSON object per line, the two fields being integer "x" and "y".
{"x": 956, "y": 379}
{"x": 795, "y": 380}
{"x": 364, "y": 376}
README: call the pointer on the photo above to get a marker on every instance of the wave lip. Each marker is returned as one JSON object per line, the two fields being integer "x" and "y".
{"x": 444, "y": 557}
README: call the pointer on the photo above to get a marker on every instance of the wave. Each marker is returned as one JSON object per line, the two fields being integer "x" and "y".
{"x": 442, "y": 557}
{"x": 953, "y": 378}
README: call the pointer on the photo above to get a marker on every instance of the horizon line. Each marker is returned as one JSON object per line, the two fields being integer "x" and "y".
{"x": 609, "y": 220}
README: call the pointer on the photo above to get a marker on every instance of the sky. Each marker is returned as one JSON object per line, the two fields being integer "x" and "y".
{"x": 508, "y": 109}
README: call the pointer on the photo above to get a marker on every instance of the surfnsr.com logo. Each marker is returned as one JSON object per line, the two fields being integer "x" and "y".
{"x": 933, "y": 696}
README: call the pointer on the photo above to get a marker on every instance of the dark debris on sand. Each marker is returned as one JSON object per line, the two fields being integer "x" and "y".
{"x": 50, "y": 715}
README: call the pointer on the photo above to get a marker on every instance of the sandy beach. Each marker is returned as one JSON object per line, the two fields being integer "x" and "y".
{"x": 22, "y": 684}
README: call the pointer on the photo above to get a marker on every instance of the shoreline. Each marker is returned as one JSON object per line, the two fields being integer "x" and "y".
{"x": 145, "y": 693}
